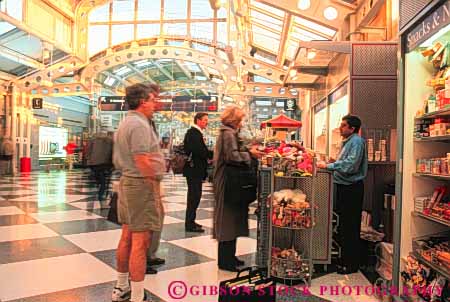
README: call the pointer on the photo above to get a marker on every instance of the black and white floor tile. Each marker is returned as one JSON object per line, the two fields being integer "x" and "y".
{"x": 57, "y": 246}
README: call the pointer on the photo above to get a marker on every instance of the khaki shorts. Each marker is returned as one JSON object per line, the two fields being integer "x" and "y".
{"x": 140, "y": 206}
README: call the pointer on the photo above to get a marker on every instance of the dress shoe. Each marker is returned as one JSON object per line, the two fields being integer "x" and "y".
{"x": 238, "y": 261}
{"x": 150, "y": 270}
{"x": 195, "y": 229}
{"x": 344, "y": 270}
{"x": 230, "y": 268}
{"x": 156, "y": 261}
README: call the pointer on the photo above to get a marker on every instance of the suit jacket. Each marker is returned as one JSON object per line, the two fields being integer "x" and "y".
{"x": 194, "y": 143}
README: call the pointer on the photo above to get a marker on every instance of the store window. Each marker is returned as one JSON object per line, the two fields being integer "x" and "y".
{"x": 99, "y": 14}
{"x": 147, "y": 30}
{"x": 149, "y": 10}
{"x": 320, "y": 127}
{"x": 339, "y": 106}
{"x": 175, "y": 29}
{"x": 202, "y": 30}
{"x": 175, "y": 9}
{"x": 201, "y": 9}
{"x": 123, "y": 10}
{"x": 222, "y": 32}
{"x": 98, "y": 38}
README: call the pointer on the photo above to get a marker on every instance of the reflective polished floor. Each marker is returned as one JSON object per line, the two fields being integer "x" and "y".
{"x": 57, "y": 246}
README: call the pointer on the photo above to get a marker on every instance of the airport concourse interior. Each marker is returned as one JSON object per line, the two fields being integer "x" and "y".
{"x": 224, "y": 150}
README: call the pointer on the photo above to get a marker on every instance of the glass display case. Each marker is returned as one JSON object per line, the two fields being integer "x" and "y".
{"x": 339, "y": 104}
{"x": 320, "y": 127}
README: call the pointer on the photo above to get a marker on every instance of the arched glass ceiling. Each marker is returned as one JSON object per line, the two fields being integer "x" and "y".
{"x": 126, "y": 20}
{"x": 278, "y": 32}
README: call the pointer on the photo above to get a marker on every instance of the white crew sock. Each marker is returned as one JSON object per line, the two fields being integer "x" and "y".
{"x": 137, "y": 291}
{"x": 122, "y": 280}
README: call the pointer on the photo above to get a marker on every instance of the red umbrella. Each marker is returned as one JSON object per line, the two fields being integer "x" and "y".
{"x": 281, "y": 121}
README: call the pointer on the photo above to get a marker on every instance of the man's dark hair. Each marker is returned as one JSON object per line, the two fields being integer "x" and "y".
{"x": 135, "y": 93}
{"x": 199, "y": 116}
{"x": 353, "y": 121}
{"x": 155, "y": 88}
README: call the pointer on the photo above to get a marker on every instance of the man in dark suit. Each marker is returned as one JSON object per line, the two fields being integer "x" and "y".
{"x": 195, "y": 170}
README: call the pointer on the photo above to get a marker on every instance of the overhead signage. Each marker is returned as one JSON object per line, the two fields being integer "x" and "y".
{"x": 290, "y": 105}
{"x": 431, "y": 25}
{"x": 320, "y": 106}
{"x": 38, "y": 103}
{"x": 338, "y": 94}
{"x": 106, "y": 120}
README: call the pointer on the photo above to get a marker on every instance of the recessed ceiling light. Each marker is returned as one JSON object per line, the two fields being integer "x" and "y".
{"x": 303, "y": 4}
{"x": 330, "y": 13}
{"x": 311, "y": 54}
{"x": 293, "y": 72}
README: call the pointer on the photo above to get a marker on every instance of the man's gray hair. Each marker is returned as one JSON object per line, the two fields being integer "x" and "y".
{"x": 135, "y": 93}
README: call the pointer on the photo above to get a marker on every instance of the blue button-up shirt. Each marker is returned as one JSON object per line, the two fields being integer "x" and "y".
{"x": 351, "y": 164}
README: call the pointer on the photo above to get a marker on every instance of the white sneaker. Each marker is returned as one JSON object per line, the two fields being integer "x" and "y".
{"x": 121, "y": 294}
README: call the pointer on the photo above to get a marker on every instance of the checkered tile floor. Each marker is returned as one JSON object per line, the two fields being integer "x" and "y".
{"x": 57, "y": 246}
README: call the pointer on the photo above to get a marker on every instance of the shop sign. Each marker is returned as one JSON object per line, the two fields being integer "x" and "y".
{"x": 338, "y": 94}
{"x": 290, "y": 105}
{"x": 37, "y": 103}
{"x": 432, "y": 24}
{"x": 106, "y": 120}
{"x": 320, "y": 106}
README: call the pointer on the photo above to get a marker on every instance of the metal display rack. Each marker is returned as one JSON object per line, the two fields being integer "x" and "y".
{"x": 300, "y": 269}
{"x": 322, "y": 244}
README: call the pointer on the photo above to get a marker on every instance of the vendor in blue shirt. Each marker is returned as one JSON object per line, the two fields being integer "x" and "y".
{"x": 349, "y": 171}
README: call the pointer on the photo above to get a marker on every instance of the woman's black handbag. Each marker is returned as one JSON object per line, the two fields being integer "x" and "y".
{"x": 254, "y": 287}
{"x": 240, "y": 184}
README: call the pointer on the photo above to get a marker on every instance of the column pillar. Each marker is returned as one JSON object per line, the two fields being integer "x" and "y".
{"x": 14, "y": 129}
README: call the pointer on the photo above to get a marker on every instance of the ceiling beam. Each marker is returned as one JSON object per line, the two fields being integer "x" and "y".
{"x": 284, "y": 37}
{"x": 140, "y": 73}
{"x": 305, "y": 85}
{"x": 314, "y": 70}
{"x": 20, "y": 58}
{"x": 6, "y": 76}
{"x": 162, "y": 70}
{"x": 333, "y": 46}
{"x": 184, "y": 69}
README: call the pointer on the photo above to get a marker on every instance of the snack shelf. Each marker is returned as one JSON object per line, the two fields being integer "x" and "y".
{"x": 291, "y": 228}
{"x": 440, "y": 113}
{"x": 440, "y": 177}
{"x": 444, "y": 138}
{"x": 436, "y": 267}
{"x": 291, "y": 265}
{"x": 432, "y": 218}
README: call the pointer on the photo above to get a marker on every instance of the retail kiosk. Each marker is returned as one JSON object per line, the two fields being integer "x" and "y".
{"x": 423, "y": 224}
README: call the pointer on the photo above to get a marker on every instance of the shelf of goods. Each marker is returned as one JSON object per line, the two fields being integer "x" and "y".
{"x": 430, "y": 254}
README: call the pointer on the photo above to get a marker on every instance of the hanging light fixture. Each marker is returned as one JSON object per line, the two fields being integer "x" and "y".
{"x": 311, "y": 54}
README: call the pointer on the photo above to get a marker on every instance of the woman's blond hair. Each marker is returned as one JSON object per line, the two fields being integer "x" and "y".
{"x": 232, "y": 116}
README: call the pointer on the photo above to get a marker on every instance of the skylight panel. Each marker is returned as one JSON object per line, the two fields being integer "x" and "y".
{"x": 305, "y": 35}
{"x": 110, "y": 81}
{"x": 122, "y": 71}
{"x": 266, "y": 39}
{"x": 142, "y": 63}
{"x": 315, "y": 26}
{"x": 266, "y": 20}
{"x": 192, "y": 67}
{"x": 265, "y": 59}
{"x": 268, "y": 8}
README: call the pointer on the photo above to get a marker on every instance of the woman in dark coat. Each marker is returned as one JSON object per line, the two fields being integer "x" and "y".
{"x": 230, "y": 221}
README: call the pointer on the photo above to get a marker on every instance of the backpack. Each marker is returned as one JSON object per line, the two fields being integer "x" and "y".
{"x": 179, "y": 159}
{"x": 6, "y": 147}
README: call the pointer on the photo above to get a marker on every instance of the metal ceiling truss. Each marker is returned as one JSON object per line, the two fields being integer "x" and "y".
{"x": 140, "y": 73}
{"x": 155, "y": 52}
{"x": 264, "y": 90}
{"x": 20, "y": 58}
{"x": 46, "y": 76}
{"x": 61, "y": 90}
{"x": 263, "y": 69}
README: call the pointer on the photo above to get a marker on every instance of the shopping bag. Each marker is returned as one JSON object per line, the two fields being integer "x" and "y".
{"x": 253, "y": 287}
